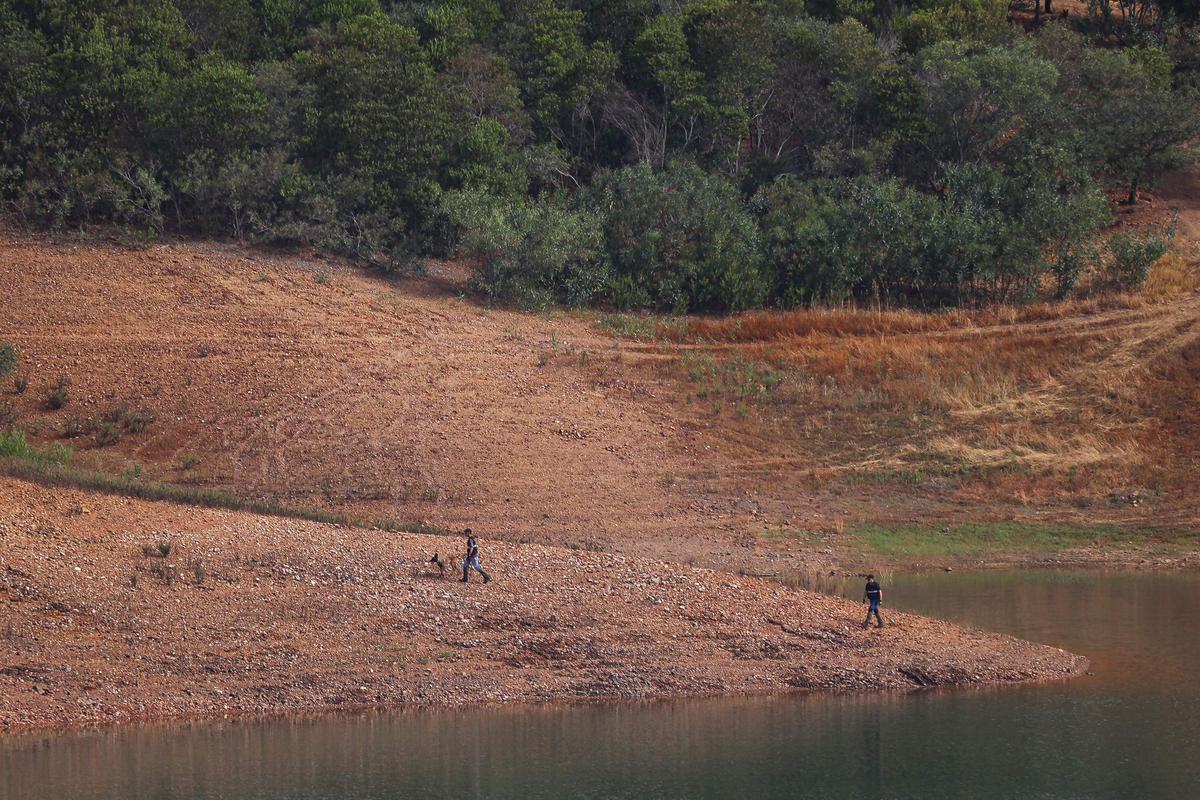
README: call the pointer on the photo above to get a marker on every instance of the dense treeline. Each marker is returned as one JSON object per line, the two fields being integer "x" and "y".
{"x": 693, "y": 155}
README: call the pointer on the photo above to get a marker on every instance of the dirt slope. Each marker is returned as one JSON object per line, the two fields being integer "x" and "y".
{"x": 289, "y": 615}
{"x": 398, "y": 398}
{"x": 326, "y": 385}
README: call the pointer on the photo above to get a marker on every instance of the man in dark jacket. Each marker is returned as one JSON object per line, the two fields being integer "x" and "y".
{"x": 873, "y": 594}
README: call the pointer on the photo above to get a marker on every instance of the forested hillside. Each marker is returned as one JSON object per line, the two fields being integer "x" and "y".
{"x": 702, "y": 155}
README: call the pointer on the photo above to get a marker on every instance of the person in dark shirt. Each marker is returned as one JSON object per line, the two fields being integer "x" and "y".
{"x": 873, "y": 594}
{"x": 471, "y": 560}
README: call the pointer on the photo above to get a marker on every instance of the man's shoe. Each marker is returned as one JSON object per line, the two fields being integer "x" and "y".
{"x": 463, "y": 580}
{"x": 486, "y": 579}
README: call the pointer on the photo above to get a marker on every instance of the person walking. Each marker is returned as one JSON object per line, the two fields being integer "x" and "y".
{"x": 471, "y": 560}
{"x": 873, "y": 594}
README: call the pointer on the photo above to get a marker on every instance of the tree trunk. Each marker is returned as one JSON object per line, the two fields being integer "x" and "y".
{"x": 1133, "y": 191}
{"x": 1047, "y": 6}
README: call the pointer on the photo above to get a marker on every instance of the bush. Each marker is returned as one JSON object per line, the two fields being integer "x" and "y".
{"x": 114, "y": 423}
{"x": 1132, "y": 258}
{"x": 932, "y": 22}
{"x": 8, "y": 359}
{"x": 14, "y": 445}
{"x": 59, "y": 394}
{"x": 828, "y": 241}
{"x": 107, "y": 434}
{"x": 678, "y": 240}
{"x": 531, "y": 252}
{"x": 989, "y": 236}
{"x": 75, "y": 427}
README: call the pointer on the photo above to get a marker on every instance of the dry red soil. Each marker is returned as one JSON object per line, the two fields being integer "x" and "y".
{"x": 324, "y": 385}
{"x": 289, "y": 615}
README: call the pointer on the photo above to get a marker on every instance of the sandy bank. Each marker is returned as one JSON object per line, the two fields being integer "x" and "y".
{"x": 289, "y": 616}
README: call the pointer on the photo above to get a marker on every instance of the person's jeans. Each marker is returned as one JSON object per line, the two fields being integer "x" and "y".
{"x": 873, "y": 609}
{"x": 473, "y": 563}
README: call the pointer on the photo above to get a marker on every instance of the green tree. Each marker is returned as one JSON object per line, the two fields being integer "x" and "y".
{"x": 381, "y": 121}
{"x": 532, "y": 252}
{"x": 487, "y": 162}
{"x": 215, "y": 104}
{"x": 983, "y": 101}
{"x": 679, "y": 240}
{"x": 561, "y": 76}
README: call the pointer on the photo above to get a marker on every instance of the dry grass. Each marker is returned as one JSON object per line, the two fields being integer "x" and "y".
{"x": 840, "y": 323}
{"x": 1034, "y": 449}
{"x": 1039, "y": 392}
{"x": 1026, "y": 399}
{"x": 1171, "y": 276}
{"x": 767, "y": 326}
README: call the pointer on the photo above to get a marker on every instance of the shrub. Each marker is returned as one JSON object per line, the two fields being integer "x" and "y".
{"x": 20, "y": 383}
{"x": 531, "y": 252}
{"x": 678, "y": 240}
{"x": 128, "y": 420}
{"x": 13, "y": 444}
{"x": 75, "y": 427}
{"x": 107, "y": 433}
{"x": 160, "y": 549}
{"x": 988, "y": 236}
{"x": 1132, "y": 258}
{"x": 8, "y": 359}
{"x": 931, "y": 22}
{"x": 59, "y": 394}
{"x": 826, "y": 241}
{"x": 114, "y": 423}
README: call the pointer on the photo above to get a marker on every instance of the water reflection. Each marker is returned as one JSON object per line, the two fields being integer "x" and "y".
{"x": 1133, "y": 730}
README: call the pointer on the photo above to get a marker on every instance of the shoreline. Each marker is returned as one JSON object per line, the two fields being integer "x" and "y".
{"x": 255, "y": 614}
{"x": 251, "y": 717}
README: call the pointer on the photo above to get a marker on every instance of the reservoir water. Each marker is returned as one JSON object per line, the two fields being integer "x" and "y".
{"x": 1131, "y": 729}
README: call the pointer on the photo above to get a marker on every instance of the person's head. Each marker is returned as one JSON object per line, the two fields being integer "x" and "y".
{"x": 467, "y": 532}
{"x": 870, "y": 577}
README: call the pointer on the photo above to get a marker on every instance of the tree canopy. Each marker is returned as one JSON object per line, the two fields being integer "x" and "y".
{"x": 708, "y": 155}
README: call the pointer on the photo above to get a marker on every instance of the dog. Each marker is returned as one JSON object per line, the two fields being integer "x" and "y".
{"x": 449, "y": 563}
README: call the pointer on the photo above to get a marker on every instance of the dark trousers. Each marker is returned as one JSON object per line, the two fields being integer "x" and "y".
{"x": 873, "y": 609}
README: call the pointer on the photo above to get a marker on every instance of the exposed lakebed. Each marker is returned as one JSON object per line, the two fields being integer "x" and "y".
{"x": 1131, "y": 728}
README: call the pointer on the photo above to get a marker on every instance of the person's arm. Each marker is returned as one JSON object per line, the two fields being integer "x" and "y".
{"x": 881, "y": 595}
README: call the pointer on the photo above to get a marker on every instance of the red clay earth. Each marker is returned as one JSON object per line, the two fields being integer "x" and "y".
{"x": 252, "y": 615}
{"x": 325, "y": 385}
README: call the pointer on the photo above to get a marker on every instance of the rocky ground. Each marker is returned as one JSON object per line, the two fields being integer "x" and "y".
{"x": 251, "y": 614}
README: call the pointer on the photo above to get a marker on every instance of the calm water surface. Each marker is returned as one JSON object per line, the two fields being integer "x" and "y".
{"x": 1130, "y": 730}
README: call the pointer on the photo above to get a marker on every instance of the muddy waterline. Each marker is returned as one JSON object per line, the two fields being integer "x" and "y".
{"x": 1130, "y": 729}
